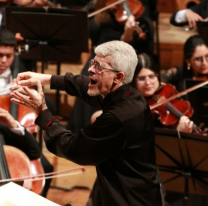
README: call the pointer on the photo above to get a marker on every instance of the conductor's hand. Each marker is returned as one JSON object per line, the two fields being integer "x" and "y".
{"x": 31, "y": 78}
{"x": 6, "y": 119}
{"x": 192, "y": 18}
{"x": 185, "y": 124}
{"x": 35, "y": 102}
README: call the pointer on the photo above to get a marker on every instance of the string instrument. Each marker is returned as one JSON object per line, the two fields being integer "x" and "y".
{"x": 15, "y": 164}
{"x": 129, "y": 7}
{"x": 26, "y": 118}
{"x": 123, "y": 10}
{"x": 171, "y": 111}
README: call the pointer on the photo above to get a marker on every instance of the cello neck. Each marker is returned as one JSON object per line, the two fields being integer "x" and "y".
{"x": 4, "y": 170}
{"x": 13, "y": 106}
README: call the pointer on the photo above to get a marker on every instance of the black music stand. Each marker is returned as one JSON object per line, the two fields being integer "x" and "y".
{"x": 182, "y": 162}
{"x": 202, "y": 28}
{"x": 59, "y": 35}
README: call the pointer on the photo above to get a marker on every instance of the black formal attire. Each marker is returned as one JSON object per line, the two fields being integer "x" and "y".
{"x": 27, "y": 143}
{"x": 120, "y": 143}
{"x": 201, "y": 9}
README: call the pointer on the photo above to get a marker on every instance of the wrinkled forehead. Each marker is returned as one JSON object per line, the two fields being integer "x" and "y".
{"x": 106, "y": 59}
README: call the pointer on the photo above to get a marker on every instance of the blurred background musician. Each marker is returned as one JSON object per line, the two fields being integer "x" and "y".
{"x": 195, "y": 64}
{"x": 7, "y": 49}
{"x": 190, "y": 15}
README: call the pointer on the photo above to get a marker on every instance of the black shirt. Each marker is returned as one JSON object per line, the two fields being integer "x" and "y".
{"x": 120, "y": 143}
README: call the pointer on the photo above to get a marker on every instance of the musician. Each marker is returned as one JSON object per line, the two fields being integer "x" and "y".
{"x": 191, "y": 15}
{"x": 28, "y": 144}
{"x": 120, "y": 143}
{"x": 195, "y": 64}
{"x": 146, "y": 81}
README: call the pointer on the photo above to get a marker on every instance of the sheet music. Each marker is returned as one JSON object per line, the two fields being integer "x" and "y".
{"x": 12, "y": 194}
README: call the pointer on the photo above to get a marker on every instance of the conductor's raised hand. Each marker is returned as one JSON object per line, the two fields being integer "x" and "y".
{"x": 34, "y": 101}
{"x": 31, "y": 78}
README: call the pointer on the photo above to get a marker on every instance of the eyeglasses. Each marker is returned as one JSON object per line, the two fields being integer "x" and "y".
{"x": 98, "y": 67}
{"x": 143, "y": 78}
{"x": 199, "y": 60}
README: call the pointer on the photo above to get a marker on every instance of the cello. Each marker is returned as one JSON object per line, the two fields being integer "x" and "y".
{"x": 26, "y": 117}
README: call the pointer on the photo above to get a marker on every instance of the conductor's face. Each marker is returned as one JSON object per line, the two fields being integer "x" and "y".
{"x": 102, "y": 76}
{"x": 6, "y": 57}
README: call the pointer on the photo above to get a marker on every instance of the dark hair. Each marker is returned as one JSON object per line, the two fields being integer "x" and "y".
{"x": 7, "y": 38}
{"x": 144, "y": 61}
{"x": 191, "y": 44}
{"x": 189, "y": 49}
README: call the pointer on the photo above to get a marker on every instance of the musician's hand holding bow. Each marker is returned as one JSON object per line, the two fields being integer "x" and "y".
{"x": 185, "y": 125}
{"x": 34, "y": 101}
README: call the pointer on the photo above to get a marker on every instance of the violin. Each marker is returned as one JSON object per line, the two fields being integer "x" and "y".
{"x": 129, "y": 7}
{"x": 123, "y": 10}
{"x": 170, "y": 112}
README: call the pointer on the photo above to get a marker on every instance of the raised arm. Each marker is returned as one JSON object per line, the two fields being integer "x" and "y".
{"x": 31, "y": 78}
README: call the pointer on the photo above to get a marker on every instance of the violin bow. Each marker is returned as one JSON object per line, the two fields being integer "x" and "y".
{"x": 105, "y": 8}
{"x": 179, "y": 94}
{"x": 47, "y": 175}
{"x": 8, "y": 88}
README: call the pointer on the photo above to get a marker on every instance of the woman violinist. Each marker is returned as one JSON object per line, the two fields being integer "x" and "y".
{"x": 148, "y": 84}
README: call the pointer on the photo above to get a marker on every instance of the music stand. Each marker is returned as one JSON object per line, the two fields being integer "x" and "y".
{"x": 182, "y": 162}
{"x": 202, "y": 28}
{"x": 199, "y": 101}
{"x": 52, "y": 34}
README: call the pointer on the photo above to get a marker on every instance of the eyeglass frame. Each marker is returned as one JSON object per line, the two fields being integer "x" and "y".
{"x": 200, "y": 59}
{"x": 99, "y": 66}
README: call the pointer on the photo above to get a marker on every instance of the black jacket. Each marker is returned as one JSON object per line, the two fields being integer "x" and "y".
{"x": 120, "y": 143}
{"x": 27, "y": 143}
{"x": 201, "y": 9}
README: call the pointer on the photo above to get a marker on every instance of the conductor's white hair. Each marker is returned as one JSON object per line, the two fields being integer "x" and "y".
{"x": 124, "y": 57}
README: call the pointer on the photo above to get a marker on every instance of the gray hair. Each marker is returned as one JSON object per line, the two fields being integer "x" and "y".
{"x": 124, "y": 57}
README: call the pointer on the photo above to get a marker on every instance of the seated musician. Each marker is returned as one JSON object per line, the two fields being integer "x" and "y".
{"x": 191, "y": 15}
{"x": 195, "y": 64}
{"x": 148, "y": 84}
{"x": 15, "y": 134}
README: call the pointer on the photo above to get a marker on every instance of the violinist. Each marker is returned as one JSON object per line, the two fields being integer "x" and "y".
{"x": 14, "y": 133}
{"x": 146, "y": 81}
{"x": 190, "y": 15}
{"x": 195, "y": 64}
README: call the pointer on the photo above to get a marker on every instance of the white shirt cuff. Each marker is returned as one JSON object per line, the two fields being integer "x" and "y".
{"x": 20, "y": 130}
{"x": 181, "y": 16}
